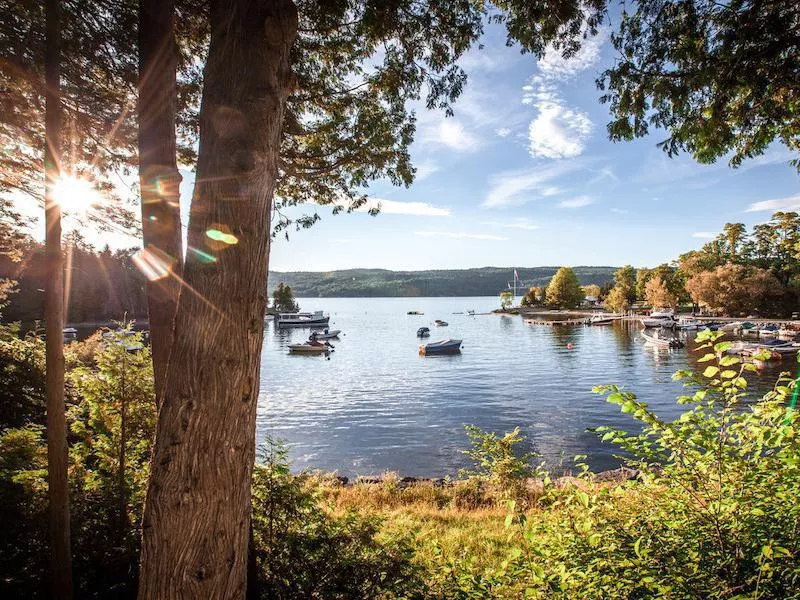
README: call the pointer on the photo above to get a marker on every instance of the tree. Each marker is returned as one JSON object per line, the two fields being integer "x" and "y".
{"x": 625, "y": 279}
{"x": 617, "y": 299}
{"x": 57, "y": 451}
{"x": 506, "y": 300}
{"x": 564, "y": 290}
{"x": 734, "y": 232}
{"x": 736, "y": 289}
{"x": 159, "y": 179}
{"x": 657, "y": 294}
{"x": 642, "y": 277}
{"x": 591, "y": 290}
{"x": 322, "y": 133}
{"x": 719, "y": 77}
{"x": 532, "y": 297}
{"x": 283, "y": 299}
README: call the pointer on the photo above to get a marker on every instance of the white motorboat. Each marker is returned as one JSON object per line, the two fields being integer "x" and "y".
{"x": 302, "y": 319}
{"x": 600, "y": 319}
{"x": 326, "y": 335}
{"x": 660, "y": 318}
{"x": 440, "y": 323}
{"x": 670, "y": 342}
{"x": 732, "y": 326}
{"x": 688, "y": 324}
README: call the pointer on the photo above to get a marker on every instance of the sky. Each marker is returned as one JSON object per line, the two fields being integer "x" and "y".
{"x": 524, "y": 175}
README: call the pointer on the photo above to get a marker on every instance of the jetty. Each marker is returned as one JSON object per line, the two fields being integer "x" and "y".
{"x": 553, "y": 323}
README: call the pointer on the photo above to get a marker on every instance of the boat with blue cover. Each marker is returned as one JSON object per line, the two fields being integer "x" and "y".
{"x": 449, "y": 346}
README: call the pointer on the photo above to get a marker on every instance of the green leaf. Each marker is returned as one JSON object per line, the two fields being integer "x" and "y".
{"x": 710, "y": 371}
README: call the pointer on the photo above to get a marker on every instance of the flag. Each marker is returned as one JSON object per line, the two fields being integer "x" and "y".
{"x": 516, "y": 277}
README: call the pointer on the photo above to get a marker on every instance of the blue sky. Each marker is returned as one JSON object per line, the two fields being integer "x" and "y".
{"x": 524, "y": 175}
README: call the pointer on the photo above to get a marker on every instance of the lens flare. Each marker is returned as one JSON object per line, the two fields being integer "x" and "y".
{"x": 221, "y": 236}
{"x": 153, "y": 263}
{"x": 75, "y": 195}
{"x": 204, "y": 257}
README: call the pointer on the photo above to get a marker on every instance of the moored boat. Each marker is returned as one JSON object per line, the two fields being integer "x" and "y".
{"x": 423, "y": 332}
{"x": 302, "y": 319}
{"x": 660, "y": 318}
{"x": 441, "y": 347}
{"x": 769, "y": 330}
{"x": 326, "y": 335}
{"x": 415, "y": 312}
{"x": 440, "y": 323}
{"x": 309, "y": 348}
{"x": 663, "y": 342}
{"x": 602, "y": 319}
{"x": 732, "y": 326}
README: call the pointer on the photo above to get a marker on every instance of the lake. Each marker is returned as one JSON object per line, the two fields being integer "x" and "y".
{"x": 376, "y": 405}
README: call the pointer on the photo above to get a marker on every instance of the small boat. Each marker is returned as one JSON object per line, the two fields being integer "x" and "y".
{"x": 415, "y": 312}
{"x": 732, "y": 326}
{"x": 440, "y": 323}
{"x": 776, "y": 348}
{"x": 441, "y": 347}
{"x": 769, "y": 330}
{"x": 309, "y": 348}
{"x": 660, "y": 318}
{"x": 602, "y": 319}
{"x": 663, "y": 342}
{"x": 423, "y": 332}
{"x": 471, "y": 313}
{"x": 785, "y": 332}
{"x": 325, "y": 335}
{"x": 688, "y": 324}
{"x": 302, "y": 319}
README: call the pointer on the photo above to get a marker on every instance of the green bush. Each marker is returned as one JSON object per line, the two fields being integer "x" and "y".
{"x": 303, "y": 551}
{"x": 715, "y": 513}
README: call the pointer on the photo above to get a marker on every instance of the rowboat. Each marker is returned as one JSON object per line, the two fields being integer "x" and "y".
{"x": 326, "y": 335}
{"x": 308, "y": 349}
{"x": 441, "y": 347}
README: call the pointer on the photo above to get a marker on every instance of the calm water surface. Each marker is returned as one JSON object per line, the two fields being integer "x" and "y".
{"x": 377, "y": 405}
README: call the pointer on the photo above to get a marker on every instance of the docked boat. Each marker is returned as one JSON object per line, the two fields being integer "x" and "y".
{"x": 769, "y": 330}
{"x": 776, "y": 348}
{"x": 732, "y": 326}
{"x": 688, "y": 324}
{"x": 602, "y": 320}
{"x": 660, "y": 318}
{"x": 326, "y": 335}
{"x": 302, "y": 319}
{"x": 423, "y": 332}
{"x": 440, "y": 323}
{"x": 670, "y": 342}
{"x": 415, "y": 312}
{"x": 785, "y": 332}
{"x": 441, "y": 347}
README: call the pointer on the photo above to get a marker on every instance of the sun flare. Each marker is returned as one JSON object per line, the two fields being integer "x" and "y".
{"x": 75, "y": 195}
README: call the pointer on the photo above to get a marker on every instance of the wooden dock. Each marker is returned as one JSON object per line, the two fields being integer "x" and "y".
{"x": 555, "y": 323}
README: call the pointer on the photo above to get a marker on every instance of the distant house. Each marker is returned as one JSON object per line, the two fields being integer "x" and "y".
{"x": 590, "y": 301}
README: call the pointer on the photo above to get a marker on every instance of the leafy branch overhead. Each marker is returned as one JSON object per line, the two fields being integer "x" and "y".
{"x": 721, "y": 78}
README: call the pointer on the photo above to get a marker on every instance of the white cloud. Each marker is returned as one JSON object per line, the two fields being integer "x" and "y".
{"x": 512, "y": 188}
{"x": 704, "y": 235}
{"x": 554, "y": 65}
{"x": 452, "y": 134}
{"x": 789, "y": 203}
{"x": 424, "y": 169}
{"x": 577, "y": 202}
{"x": 619, "y": 211}
{"x": 396, "y": 207}
{"x": 461, "y": 235}
{"x": 557, "y": 131}
{"x": 503, "y": 132}
{"x": 518, "y": 223}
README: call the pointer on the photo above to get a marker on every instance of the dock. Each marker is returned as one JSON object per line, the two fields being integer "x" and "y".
{"x": 555, "y": 323}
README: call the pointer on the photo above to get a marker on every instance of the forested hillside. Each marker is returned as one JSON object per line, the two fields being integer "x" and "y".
{"x": 486, "y": 281}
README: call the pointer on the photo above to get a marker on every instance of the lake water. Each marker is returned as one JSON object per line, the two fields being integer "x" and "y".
{"x": 378, "y": 405}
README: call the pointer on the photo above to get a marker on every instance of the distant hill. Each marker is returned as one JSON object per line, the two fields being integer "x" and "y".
{"x": 359, "y": 283}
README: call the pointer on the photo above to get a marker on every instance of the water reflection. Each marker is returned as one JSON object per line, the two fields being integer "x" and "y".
{"x": 378, "y": 405}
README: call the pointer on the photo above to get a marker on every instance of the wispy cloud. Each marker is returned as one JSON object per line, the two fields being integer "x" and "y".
{"x": 426, "y": 168}
{"x": 503, "y": 132}
{"x": 519, "y": 223}
{"x": 396, "y": 207}
{"x": 619, "y": 211}
{"x": 461, "y": 235}
{"x": 704, "y": 235}
{"x": 578, "y": 202}
{"x": 451, "y": 133}
{"x": 789, "y": 203}
{"x": 554, "y": 65}
{"x": 512, "y": 188}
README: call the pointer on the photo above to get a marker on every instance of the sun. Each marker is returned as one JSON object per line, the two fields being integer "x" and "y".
{"x": 75, "y": 195}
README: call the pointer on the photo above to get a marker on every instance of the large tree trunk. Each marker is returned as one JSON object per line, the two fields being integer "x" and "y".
{"x": 57, "y": 488}
{"x": 195, "y": 526}
{"x": 158, "y": 175}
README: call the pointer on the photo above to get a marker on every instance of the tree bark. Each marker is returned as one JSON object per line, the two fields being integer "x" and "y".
{"x": 159, "y": 178}
{"x": 57, "y": 452}
{"x": 197, "y": 513}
